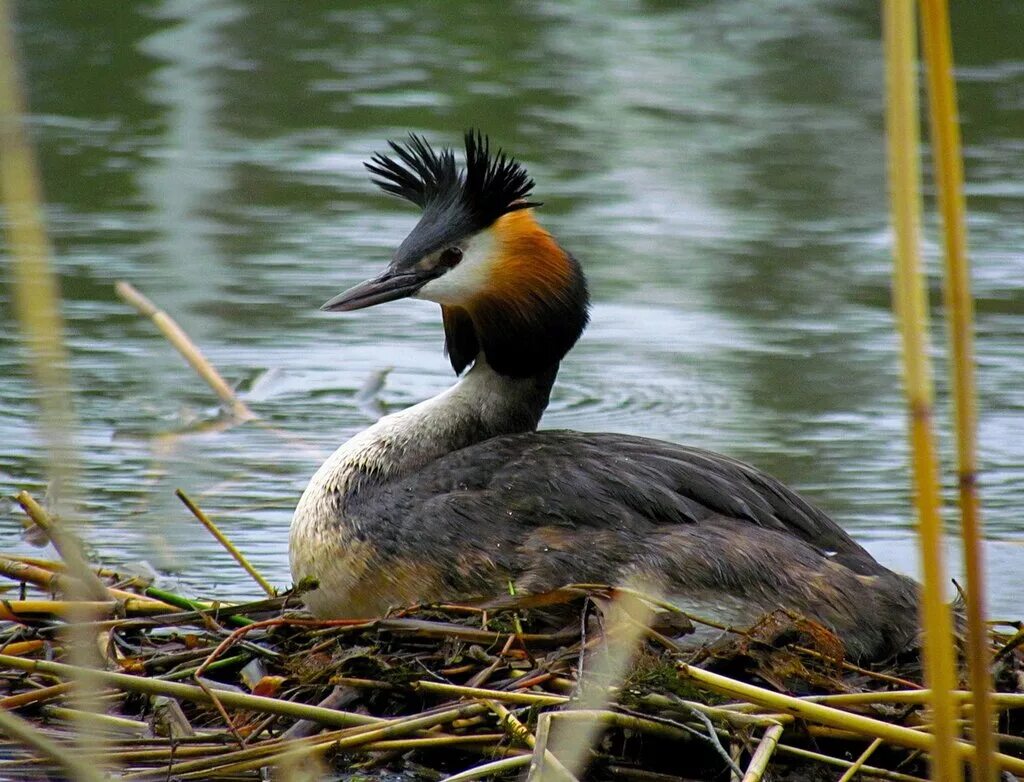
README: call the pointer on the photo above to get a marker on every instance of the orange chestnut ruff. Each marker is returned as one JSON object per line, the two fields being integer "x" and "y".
{"x": 530, "y": 263}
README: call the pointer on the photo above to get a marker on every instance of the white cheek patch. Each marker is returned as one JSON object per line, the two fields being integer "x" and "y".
{"x": 470, "y": 277}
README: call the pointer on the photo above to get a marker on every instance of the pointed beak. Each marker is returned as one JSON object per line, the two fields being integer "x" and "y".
{"x": 388, "y": 286}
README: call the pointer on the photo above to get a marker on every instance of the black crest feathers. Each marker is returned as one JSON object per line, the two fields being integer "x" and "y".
{"x": 491, "y": 184}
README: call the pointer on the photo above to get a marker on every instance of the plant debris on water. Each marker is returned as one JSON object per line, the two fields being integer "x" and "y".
{"x": 188, "y": 689}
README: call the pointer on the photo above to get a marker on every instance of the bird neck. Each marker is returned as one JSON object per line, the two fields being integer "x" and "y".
{"x": 482, "y": 405}
{"x": 532, "y": 309}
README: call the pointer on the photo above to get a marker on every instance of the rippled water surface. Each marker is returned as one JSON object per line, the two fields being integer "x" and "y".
{"x": 718, "y": 167}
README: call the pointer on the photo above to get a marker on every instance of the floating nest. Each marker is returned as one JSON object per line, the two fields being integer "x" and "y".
{"x": 148, "y": 685}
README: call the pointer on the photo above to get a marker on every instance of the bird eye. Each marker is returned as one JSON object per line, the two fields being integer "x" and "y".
{"x": 451, "y": 257}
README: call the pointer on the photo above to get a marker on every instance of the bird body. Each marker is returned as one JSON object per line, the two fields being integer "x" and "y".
{"x": 459, "y": 495}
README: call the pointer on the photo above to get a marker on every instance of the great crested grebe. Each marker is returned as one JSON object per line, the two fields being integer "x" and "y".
{"x": 459, "y": 495}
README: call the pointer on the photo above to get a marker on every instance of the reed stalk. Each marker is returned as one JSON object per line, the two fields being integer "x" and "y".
{"x": 521, "y": 698}
{"x": 868, "y": 771}
{"x": 36, "y": 296}
{"x": 828, "y": 716}
{"x": 187, "y": 348}
{"x": 948, "y": 164}
{"x": 24, "y": 610}
{"x": 31, "y": 697}
{"x": 910, "y": 302}
{"x": 188, "y": 604}
{"x": 20, "y": 648}
{"x": 34, "y": 287}
{"x": 858, "y": 764}
{"x": 221, "y": 538}
{"x": 962, "y": 697}
{"x": 492, "y": 769}
{"x": 258, "y": 703}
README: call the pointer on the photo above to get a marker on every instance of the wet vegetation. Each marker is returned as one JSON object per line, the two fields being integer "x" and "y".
{"x": 219, "y": 691}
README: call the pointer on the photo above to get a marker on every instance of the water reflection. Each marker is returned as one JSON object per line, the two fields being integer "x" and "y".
{"x": 718, "y": 167}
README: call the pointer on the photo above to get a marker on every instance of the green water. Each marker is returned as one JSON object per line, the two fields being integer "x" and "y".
{"x": 717, "y": 166}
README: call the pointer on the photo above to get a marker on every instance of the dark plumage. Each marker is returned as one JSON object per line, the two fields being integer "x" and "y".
{"x": 455, "y": 203}
{"x": 492, "y": 184}
{"x": 555, "y": 507}
{"x": 457, "y": 496}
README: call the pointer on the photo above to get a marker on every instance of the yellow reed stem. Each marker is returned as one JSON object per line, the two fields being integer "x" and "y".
{"x": 765, "y": 749}
{"x": 910, "y": 301}
{"x": 239, "y": 557}
{"x": 554, "y": 769}
{"x": 78, "y": 610}
{"x": 858, "y": 764}
{"x": 825, "y": 715}
{"x": 945, "y": 135}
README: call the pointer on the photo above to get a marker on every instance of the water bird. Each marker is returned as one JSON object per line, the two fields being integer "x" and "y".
{"x": 459, "y": 495}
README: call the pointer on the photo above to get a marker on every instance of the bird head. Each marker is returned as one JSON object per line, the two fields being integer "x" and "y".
{"x": 505, "y": 286}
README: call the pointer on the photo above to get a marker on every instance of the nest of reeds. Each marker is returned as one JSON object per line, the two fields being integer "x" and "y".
{"x": 167, "y": 687}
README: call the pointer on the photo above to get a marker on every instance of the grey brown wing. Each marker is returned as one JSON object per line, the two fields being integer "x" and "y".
{"x": 487, "y": 496}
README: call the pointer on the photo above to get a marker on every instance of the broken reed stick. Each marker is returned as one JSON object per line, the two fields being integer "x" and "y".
{"x": 66, "y": 546}
{"x": 187, "y": 348}
{"x": 34, "y": 696}
{"x": 20, "y": 648}
{"x": 587, "y": 723}
{"x": 59, "y": 567}
{"x": 949, "y": 179}
{"x": 24, "y": 610}
{"x": 765, "y": 749}
{"x": 105, "y": 722}
{"x": 910, "y": 304}
{"x": 52, "y": 581}
{"x": 238, "y": 556}
{"x": 553, "y": 767}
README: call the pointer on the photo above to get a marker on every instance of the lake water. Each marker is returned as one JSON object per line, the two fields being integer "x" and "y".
{"x": 717, "y": 166}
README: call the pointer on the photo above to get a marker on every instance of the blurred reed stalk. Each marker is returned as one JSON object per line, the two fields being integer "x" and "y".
{"x": 910, "y": 303}
{"x": 948, "y": 164}
{"x": 36, "y": 296}
{"x": 625, "y": 626}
